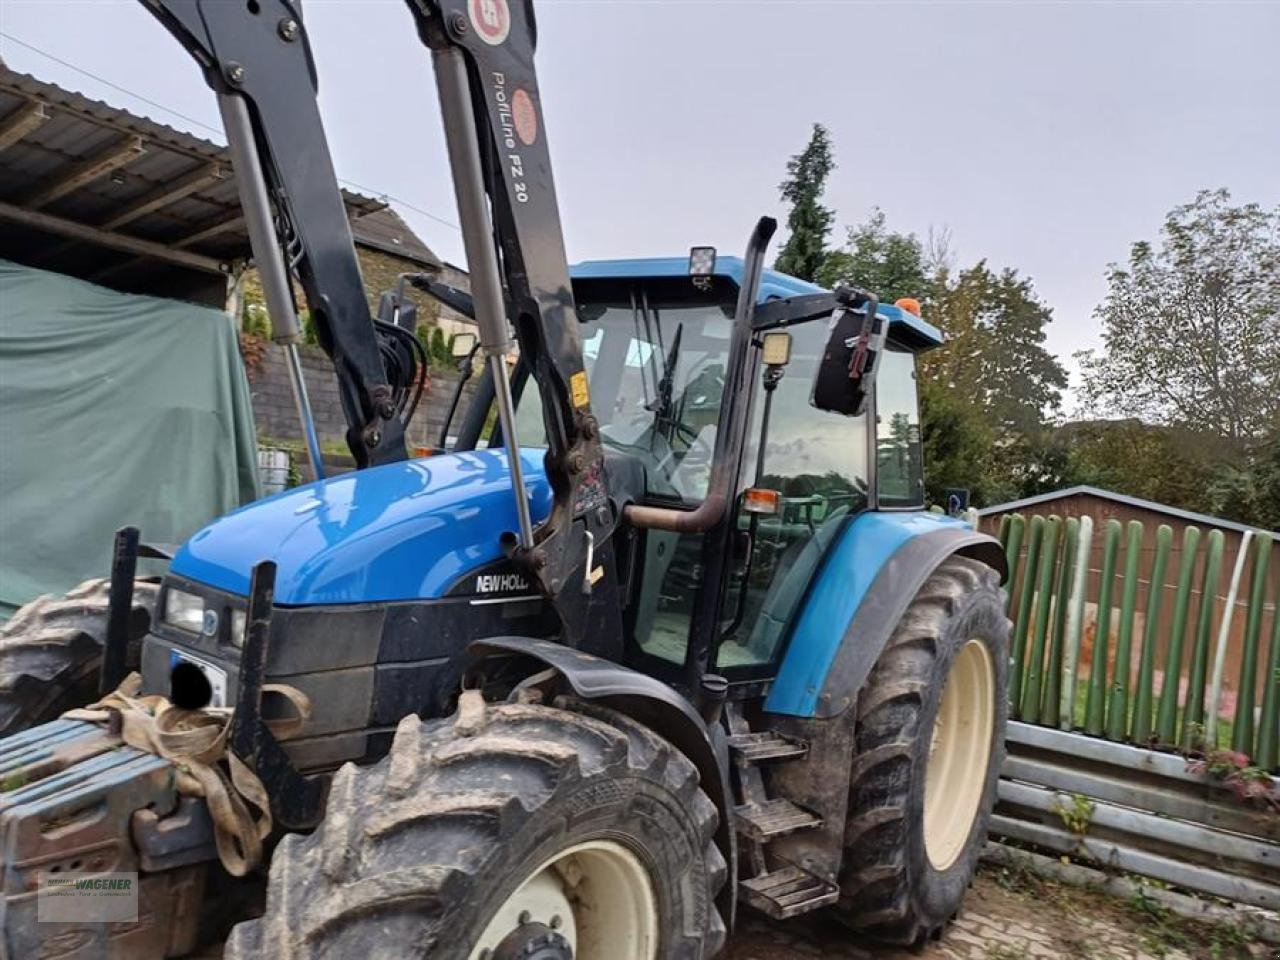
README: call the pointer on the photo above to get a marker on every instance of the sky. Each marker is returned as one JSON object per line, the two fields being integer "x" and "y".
{"x": 1044, "y": 136}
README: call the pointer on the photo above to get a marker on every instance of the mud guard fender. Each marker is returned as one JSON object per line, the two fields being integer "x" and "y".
{"x": 656, "y": 705}
{"x": 887, "y": 599}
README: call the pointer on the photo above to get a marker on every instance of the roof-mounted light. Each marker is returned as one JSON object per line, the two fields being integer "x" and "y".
{"x": 702, "y": 261}
{"x": 909, "y": 305}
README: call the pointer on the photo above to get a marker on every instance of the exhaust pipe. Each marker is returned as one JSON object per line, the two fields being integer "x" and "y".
{"x": 733, "y": 408}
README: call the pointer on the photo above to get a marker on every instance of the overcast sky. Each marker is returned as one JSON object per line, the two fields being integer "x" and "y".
{"x": 1045, "y": 136}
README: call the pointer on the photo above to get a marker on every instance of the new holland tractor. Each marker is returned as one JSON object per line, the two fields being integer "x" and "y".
{"x": 666, "y": 630}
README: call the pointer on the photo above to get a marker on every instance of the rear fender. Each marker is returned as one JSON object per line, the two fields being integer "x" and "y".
{"x": 867, "y": 581}
{"x": 652, "y": 703}
{"x": 821, "y": 783}
{"x": 892, "y": 591}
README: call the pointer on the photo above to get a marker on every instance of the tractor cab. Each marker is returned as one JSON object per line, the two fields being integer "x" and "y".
{"x": 656, "y": 344}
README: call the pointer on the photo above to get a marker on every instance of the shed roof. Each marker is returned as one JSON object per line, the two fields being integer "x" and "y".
{"x": 384, "y": 229}
{"x": 1201, "y": 519}
{"x": 98, "y": 192}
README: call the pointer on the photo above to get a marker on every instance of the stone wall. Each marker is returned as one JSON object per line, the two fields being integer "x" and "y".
{"x": 277, "y": 418}
{"x": 380, "y": 272}
{"x": 274, "y": 411}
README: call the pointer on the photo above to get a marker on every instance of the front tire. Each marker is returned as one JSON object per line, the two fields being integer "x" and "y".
{"x": 517, "y": 821}
{"x": 929, "y": 741}
{"x": 51, "y": 651}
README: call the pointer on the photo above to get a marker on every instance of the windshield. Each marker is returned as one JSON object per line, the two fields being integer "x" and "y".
{"x": 655, "y": 359}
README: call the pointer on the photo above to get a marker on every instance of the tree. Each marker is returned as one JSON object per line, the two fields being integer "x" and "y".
{"x": 958, "y": 443}
{"x": 1191, "y": 331}
{"x": 888, "y": 264}
{"x": 985, "y": 393}
{"x": 993, "y": 379}
{"x": 995, "y": 353}
{"x": 809, "y": 222}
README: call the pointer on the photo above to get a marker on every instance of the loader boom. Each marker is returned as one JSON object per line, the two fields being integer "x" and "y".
{"x": 257, "y": 59}
{"x": 483, "y": 51}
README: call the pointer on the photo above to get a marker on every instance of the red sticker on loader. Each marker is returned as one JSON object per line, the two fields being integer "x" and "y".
{"x": 525, "y": 116}
{"x": 491, "y": 18}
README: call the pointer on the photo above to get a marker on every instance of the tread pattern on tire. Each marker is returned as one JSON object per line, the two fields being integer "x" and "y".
{"x": 875, "y": 883}
{"x": 51, "y": 650}
{"x": 405, "y": 841}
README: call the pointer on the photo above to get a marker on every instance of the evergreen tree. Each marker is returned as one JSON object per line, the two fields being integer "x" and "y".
{"x": 809, "y": 222}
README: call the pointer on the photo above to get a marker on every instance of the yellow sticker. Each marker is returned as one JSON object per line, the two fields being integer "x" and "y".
{"x": 596, "y": 574}
{"x": 578, "y": 388}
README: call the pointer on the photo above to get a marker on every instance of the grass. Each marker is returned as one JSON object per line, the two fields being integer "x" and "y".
{"x": 1163, "y": 932}
{"x": 1005, "y": 952}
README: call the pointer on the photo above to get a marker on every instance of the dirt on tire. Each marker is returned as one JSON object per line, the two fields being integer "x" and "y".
{"x": 51, "y": 651}
{"x": 889, "y": 887}
{"x": 417, "y": 851}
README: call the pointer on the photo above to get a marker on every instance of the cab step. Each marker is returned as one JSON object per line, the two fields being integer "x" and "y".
{"x": 788, "y": 892}
{"x": 768, "y": 745}
{"x": 774, "y": 818}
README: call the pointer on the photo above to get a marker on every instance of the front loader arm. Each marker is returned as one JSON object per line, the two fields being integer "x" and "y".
{"x": 482, "y": 52}
{"x": 257, "y": 59}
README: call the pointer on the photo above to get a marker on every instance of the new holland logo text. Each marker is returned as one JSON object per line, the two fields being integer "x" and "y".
{"x": 500, "y": 583}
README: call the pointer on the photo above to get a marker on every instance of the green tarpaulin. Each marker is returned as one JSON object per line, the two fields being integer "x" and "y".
{"x": 115, "y": 410}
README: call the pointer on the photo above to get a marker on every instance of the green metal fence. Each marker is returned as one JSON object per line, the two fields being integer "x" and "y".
{"x": 1191, "y": 668}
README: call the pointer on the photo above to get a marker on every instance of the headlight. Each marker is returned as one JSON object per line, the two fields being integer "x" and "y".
{"x": 239, "y": 627}
{"x": 184, "y": 610}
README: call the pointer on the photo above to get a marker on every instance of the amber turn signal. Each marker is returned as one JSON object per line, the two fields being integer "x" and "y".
{"x": 760, "y": 500}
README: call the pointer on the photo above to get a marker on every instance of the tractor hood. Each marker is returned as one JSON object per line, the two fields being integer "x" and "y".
{"x": 404, "y": 531}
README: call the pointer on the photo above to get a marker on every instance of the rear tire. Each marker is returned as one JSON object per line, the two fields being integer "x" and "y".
{"x": 418, "y": 852}
{"x": 51, "y": 651}
{"x": 909, "y": 861}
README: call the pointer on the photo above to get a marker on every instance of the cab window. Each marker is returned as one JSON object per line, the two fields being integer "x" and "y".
{"x": 655, "y": 359}
{"x": 817, "y": 462}
{"x": 899, "y": 453}
{"x": 655, "y": 352}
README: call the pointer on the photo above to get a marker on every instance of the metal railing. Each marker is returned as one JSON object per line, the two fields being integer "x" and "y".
{"x": 1128, "y": 810}
{"x": 1086, "y": 658}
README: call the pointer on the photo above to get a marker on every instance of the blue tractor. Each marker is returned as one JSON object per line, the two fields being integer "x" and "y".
{"x": 665, "y": 629}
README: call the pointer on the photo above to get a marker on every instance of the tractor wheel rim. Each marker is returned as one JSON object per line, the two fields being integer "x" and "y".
{"x": 959, "y": 754}
{"x": 597, "y": 895}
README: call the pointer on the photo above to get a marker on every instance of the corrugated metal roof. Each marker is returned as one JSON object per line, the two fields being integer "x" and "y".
{"x": 1200, "y": 519}
{"x": 80, "y": 132}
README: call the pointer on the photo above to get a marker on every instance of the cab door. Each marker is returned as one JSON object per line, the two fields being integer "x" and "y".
{"x": 819, "y": 465}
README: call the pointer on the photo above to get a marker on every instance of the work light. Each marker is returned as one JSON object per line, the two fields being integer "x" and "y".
{"x": 776, "y": 350}
{"x": 702, "y": 261}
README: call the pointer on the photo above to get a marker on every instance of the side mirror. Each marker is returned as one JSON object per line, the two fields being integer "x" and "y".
{"x": 462, "y": 344}
{"x": 847, "y": 371}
